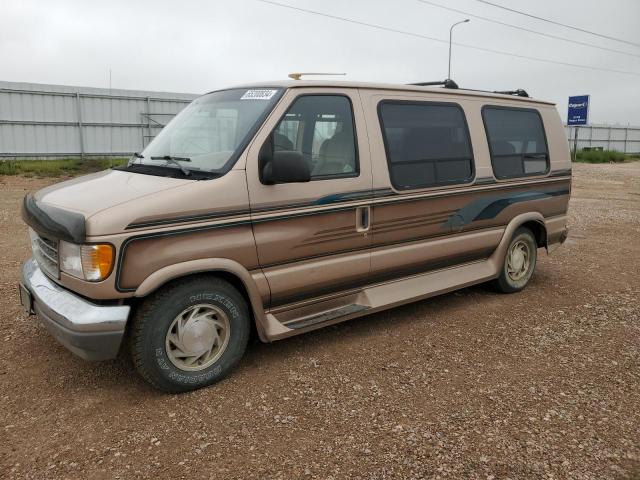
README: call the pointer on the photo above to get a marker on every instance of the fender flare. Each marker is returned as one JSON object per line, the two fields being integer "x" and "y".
{"x": 497, "y": 257}
{"x": 211, "y": 265}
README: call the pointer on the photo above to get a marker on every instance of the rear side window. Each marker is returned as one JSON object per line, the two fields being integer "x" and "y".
{"x": 517, "y": 142}
{"x": 427, "y": 144}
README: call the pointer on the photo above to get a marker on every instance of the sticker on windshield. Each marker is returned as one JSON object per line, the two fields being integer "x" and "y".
{"x": 263, "y": 94}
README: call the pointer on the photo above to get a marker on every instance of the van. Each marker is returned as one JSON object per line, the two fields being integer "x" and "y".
{"x": 285, "y": 207}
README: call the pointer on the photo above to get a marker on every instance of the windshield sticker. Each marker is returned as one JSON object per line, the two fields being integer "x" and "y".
{"x": 258, "y": 94}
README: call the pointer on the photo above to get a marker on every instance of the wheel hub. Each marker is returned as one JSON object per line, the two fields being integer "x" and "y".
{"x": 197, "y": 337}
{"x": 518, "y": 260}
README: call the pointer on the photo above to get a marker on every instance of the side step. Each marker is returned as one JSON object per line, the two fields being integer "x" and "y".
{"x": 306, "y": 316}
{"x": 326, "y": 316}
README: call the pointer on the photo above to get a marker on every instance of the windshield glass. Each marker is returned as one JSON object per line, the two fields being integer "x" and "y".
{"x": 208, "y": 133}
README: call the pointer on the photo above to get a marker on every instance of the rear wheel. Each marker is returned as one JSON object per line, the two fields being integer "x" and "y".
{"x": 519, "y": 262}
{"x": 190, "y": 334}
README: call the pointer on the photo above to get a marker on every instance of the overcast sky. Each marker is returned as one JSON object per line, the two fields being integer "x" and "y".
{"x": 196, "y": 46}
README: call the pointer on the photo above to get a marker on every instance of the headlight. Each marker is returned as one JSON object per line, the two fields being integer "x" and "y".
{"x": 70, "y": 259}
{"x": 89, "y": 262}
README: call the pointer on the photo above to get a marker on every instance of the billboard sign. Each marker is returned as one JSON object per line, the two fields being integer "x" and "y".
{"x": 578, "y": 113}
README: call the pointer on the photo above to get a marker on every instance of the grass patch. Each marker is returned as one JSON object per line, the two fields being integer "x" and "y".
{"x": 602, "y": 156}
{"x": 57, "y": 168}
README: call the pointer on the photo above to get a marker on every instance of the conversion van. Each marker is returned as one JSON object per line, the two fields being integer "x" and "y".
{"x": 289, "y": 206}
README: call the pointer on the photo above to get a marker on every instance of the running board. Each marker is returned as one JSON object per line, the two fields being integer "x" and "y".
{"x": 326, "y": 316}
{"x": 316, "y": 313}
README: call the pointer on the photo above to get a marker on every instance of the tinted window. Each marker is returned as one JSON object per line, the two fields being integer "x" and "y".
{"x": 517, "y": 142}
{"x": 320, "y": 127}
{"x": 427, "y": 144}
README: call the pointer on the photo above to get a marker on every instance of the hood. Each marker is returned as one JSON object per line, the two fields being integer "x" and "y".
{"x": 115, "y": 201}
{"x": 93, "y": 193}
{"x": 63, "y": 210}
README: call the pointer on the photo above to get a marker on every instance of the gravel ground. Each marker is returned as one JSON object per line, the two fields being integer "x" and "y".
{"x": 474, "y": 384}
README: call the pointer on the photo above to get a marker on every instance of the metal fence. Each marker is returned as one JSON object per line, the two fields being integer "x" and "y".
{"x": 49, "y": 121}
{"x": 608, "y": 137}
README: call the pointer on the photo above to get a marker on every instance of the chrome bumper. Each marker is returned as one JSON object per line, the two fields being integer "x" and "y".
{"x": 93, "y": 332}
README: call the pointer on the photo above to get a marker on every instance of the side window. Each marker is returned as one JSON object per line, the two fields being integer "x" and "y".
{"x": 517, "y": 142}
{"x": 321, "y": 128}
{"x": 427, "y": 144}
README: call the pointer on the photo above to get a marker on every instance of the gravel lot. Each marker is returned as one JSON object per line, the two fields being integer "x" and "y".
{"x": 474, "y": 384}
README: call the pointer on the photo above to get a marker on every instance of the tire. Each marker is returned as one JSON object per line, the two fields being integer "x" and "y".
{"x": 515, "y": 276}
{"x": 189, "y": 334}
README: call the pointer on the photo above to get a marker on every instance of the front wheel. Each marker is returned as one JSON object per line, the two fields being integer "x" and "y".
{"x": 190, "y": 334}
{"x": 519, "y": 262}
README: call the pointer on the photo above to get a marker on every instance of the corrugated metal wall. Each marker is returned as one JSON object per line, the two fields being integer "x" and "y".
{"x": 608, "y": 137}
{"x": 47, "y": 121}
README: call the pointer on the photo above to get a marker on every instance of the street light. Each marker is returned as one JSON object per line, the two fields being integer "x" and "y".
{"x": 450, "y": 34}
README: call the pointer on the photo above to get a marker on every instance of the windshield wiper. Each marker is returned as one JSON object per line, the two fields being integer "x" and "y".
{"x": 133, "y": 158}
{"x": 175, "y": 161}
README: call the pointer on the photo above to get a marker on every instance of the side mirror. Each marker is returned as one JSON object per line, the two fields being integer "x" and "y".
{"x": 286, "y": 167}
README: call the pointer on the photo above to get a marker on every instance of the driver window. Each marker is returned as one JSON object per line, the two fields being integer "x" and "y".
{"x": 321, "y": 128}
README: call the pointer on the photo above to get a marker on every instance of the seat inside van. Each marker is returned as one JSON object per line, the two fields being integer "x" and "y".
{"x": 337, "y": 154}
{"x": 505, "y": 158}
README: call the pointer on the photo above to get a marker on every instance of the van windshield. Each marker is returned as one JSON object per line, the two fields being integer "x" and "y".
{"x": 210, "y": 133}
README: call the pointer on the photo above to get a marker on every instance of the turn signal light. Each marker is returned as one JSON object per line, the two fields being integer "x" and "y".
{"x": 97, "y": 261}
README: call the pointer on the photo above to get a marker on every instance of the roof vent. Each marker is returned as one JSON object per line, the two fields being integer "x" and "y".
{"x": 297, "y": 76}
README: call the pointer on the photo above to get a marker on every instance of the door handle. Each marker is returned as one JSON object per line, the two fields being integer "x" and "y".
{"x": 363, "y": 219}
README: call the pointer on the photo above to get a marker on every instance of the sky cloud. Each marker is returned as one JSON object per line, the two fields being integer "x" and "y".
{"x": 196, "y": 46}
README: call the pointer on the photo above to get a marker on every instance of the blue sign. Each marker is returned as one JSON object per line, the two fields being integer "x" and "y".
{"x": 578, "y": 110}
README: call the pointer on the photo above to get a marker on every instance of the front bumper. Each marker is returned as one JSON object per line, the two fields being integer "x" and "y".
{"x": 93, "y": 332}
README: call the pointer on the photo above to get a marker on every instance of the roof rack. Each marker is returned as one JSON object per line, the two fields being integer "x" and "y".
{"x": 518, "y": 93}
{"x": 448, "y": 83}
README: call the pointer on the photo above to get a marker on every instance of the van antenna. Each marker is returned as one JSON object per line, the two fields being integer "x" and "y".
{"x": 296, "y": 76}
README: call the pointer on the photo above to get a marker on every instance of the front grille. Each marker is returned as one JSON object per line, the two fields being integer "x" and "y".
{"x": 45, "y": 251}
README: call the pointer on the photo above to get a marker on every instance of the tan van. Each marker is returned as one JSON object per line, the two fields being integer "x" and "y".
{"x": 289, "y": 206}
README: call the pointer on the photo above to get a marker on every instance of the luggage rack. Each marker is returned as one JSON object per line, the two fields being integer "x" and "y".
{"x": 518, "y": 93}
{"x": 448, "y": 83}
